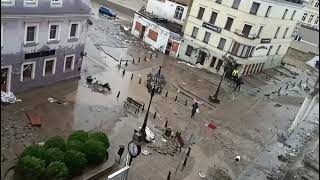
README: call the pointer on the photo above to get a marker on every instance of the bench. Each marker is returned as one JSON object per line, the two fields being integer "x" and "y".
{"x": 130, "y": 102}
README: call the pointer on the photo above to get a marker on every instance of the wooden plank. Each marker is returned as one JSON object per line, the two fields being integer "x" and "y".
{"x": 34, "y": 119}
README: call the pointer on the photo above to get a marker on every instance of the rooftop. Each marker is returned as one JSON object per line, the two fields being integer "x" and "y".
{"x": 44, "y": 8}
{"x": 171, "y": 26}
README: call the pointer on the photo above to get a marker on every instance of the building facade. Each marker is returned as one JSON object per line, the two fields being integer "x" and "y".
{"x": 42, "y": 41}
{"x": 256, "y": 33}
{"x": 306, "y": 37}
{"x": 160, "y": 25}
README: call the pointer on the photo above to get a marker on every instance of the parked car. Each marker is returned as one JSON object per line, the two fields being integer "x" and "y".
{"x": 107, "y": 11}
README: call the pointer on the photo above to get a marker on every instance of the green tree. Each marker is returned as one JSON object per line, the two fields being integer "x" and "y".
{"x": 55, "y": 142}
{"x": 95, "y": 151}
{"x": 75, "y": 145}
{"x": 57, "y": 171}
{"x": 35, "y": 151}
{"x": 30, "y": 168}
{"x": 54, "y": 154}
{"x": 76, "y": 161}
{"x": 79, "y": 135}
{"x": 100, "y": 136}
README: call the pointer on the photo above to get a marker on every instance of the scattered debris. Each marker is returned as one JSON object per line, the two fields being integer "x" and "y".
{"x": 277, "y": 105}
{"x": 211, "y": 126}
{"x": 198, "y": 65}
{"x": 237, "y": 159}
{"x": 34, "y": 119}
{"x": 50, "y": 99}
{"x": 149, "y": 135}
{"x": 8, "y": 97}
{"x": 145, "y": 152}
{"x": 202, "y": 174}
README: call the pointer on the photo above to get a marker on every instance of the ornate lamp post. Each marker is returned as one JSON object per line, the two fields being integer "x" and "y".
{"x": 143, "y": 129}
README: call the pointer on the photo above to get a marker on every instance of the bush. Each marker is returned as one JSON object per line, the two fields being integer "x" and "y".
{"x": 76, "y": 161}
{"x": 54, "y": 154}
{"x": 57, "y": 171}
{"x": 95, "y": 151}
{"x": 30, "y": 168}
{"x": 75, "y": 145}
{"x": 100, "y": 136}
{"x": 79, "y": 135}
{"x": 35, "y": 151}
{"x": 56, "y": 142}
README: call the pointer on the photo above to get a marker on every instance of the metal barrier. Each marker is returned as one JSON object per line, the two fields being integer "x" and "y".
{"x": 121, "y": 174}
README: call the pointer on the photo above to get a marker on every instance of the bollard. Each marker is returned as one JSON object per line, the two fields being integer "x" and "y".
{"x": 186, "y": 103}
{"x": 293, "y": 84}
{"x": 279, "y": 90}
{"x": 140, "y": 81}
{"x": 184, "y": 163}
{"x": 188, "y": 153}
{"x": 156, "y": 55}
{"x": 133, "y": 61}
{"x": 118, "y": 94}
{"x": 123, "y": 72}
{"x": 131, "y": 76}
{"x": 139, "y": 60}
{"x": 166, "y": 124}
{"x": 151, "y": 56}
{"x": 120, "y": 61}
{"x": 126, "y": 63}
{"x": 300, "y": 83}
{"x": 287, "y": 86}
{"x": 175, "y": 100}
{"x": 168, "y": 178}
{"x": 145, "y": 58}
{"x": 167, "y": 94}
{"x": 143, "y": 108}
{"x": 155, "y": 114}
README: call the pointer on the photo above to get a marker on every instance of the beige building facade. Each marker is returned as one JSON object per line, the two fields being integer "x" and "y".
{"x": 256, "y": 33}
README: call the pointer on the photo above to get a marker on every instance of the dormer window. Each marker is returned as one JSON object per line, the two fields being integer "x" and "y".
{"x": 56, "y": 3}
{"x": 7, "y": 2}
{"x": 30, "y": 3}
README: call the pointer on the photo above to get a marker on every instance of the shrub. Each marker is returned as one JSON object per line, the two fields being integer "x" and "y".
{"x": 95, "y": 151}
{"x": 56, "y": 142}
{"x": 100, "y": 136}
{"x": 57, "y": 171}
{"x": 30, "y": 168}
{"x": 54, "y": 154}
{"x": 75, "y": 145}
{"x": 35, "y": 151}
{"x": 76, "y": 161}
{"x": 79, "y": 135}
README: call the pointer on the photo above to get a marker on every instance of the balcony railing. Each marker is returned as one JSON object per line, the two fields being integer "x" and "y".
{"x": 248, "y": 36}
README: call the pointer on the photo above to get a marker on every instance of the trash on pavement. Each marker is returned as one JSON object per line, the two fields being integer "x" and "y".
{"x": 34, "y": 119}
{"x": 237, "y": 159}
{"x": 211, "y": 126}
{"x": 50, "y": 99}
{"x": 40, "y": 143}
{"x": 202, "y": 174}
{"x": 198, "y": 65}
{"x": 145, "y": 152}
{"x": 8, "y": 97}
{"x": 149, "y": 134}
{"x": 164, "y": 140}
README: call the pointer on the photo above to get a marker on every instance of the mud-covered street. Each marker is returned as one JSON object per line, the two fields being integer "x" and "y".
{"x": 247, "y": 120}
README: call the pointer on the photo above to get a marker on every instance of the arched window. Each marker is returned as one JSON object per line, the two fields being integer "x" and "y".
{"x": 179, "y": 12}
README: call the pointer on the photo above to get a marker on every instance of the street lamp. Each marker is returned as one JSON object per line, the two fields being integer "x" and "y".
{"x": 143, "y": 128}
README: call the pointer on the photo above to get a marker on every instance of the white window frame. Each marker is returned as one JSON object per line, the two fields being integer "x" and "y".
{"x": 58, "y": 32}
{"x": 78, "y": 30}
{"x": 36, "y": 35}
{"x": 8, "y": 80}
{"x": 2, "y": 35}
{"x": 56, "y": 3}
{"x": 53, "y": 68}
{"x": 33, "y": 70}
{"x": 30, "y": 3}
{"x": 72, "y": 64}
{"x": 316, "y": 22}
{"x": 179, "y": 11}
{"x": 304, "y": 17}
{"x": 8, "y": 2}
{"x": 310, "y": 19}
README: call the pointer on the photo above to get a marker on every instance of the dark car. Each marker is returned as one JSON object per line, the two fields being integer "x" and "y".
{"x": 107, "y": 11}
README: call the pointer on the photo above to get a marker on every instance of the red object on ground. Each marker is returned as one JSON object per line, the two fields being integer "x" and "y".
{"x": 212, "y": 126}
{"x": 34, "y": 119}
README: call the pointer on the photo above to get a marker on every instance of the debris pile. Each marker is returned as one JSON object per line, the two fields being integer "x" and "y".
{"x": 98, "y": 86}
{"x": 8, "y": 97}
{"x": 167, "y": 147}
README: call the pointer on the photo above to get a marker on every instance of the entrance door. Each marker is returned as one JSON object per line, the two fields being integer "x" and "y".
{"x": 143, "y": 29}
{"x": 4, "y": 79}
{"x": 202, "y": 57}
{"x": 168, "y": 48}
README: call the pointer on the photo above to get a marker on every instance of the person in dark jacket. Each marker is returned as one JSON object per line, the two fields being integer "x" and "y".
{"x": 195, "y": 106}
{"x": 238, "y": 84}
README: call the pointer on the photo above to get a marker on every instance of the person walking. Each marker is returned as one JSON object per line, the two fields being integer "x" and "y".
{"x": 195, "y": 106}
{"x": 234, "y": 77}
{"x": 238, "y": 84}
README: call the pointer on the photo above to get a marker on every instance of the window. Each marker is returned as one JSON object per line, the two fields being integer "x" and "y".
{"x": 304, "y": 16}
{"x": 68, "y": 63}
{"x": 220, "y": 62}
{"x": 228, "y": 24}
{"x": 270, "y": 48}
{"x": 276, "y": 35}
{"x": 316, "y": 22}
{"x": 54, "y": 32}
{"x": 179, "y": 12}
{"x": 7, "y": 2}
{"x": 189, "y": 50}
{"x": 236, "y": 4}
{"x": 153, "y": 35}
{"x": 317, "y": 4}
{"x": 246, "y": 30}
{"x": 311, "y": 3}
{"x": 285, "y": 14}
{"x": 310, "y": 18}
{"x": 74, "y": 30}
{"x": 297, "y": 38}
{"x": 1, "y": 35}
{"x": 254, "y": 8}
{"x": 31, "y": 33}
{"x": 285, "y": 32}
{"x": 219, "y": 1}
{"x": 195, "y": 32}
{"x": 241, "y": 50}
{"x": 56, "y": 3}
{"x": 138, "y": 26}
{"x": 278, "y": 49}
{"x": 49, "y": 67}
{"x": 206, "y": 37}
{"x": 268, "y": 11}
{"x": 31, "y": 3}
{"x": 292, "y": 16}
{"x": 222, "y": 43}
{"x": 213, "y": 17}
{"x": 213, "y": 61}
{"x": 200, "y": 13}
{"x": 259, "y": 32}
{"x": 27, "y": 71}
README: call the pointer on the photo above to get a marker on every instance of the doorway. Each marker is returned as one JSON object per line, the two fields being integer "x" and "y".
{"x": 168, "y": 48}
{"x": 5, "y": 79}
{"x": 202, "y": 57}
{"x": 143, "y": 29}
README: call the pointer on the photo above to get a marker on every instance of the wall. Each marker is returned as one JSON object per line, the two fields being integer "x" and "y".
{"x": 166, "y": 10}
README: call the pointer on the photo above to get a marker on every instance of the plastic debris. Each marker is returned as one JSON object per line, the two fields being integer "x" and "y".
{"x": 8, "y": 97}
{"x": 50, "y": 99}
{"x": 145, "y": 152}
{"x": 149, "y": 135}
{"x": 202, "y": 174}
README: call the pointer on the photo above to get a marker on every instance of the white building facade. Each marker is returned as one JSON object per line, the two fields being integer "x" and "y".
{"x": 256, "y": 33}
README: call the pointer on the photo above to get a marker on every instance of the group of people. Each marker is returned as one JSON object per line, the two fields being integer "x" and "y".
{"x": 236, "y": 80}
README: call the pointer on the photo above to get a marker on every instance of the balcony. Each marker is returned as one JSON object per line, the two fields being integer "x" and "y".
{"x": 248, "y": 36}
